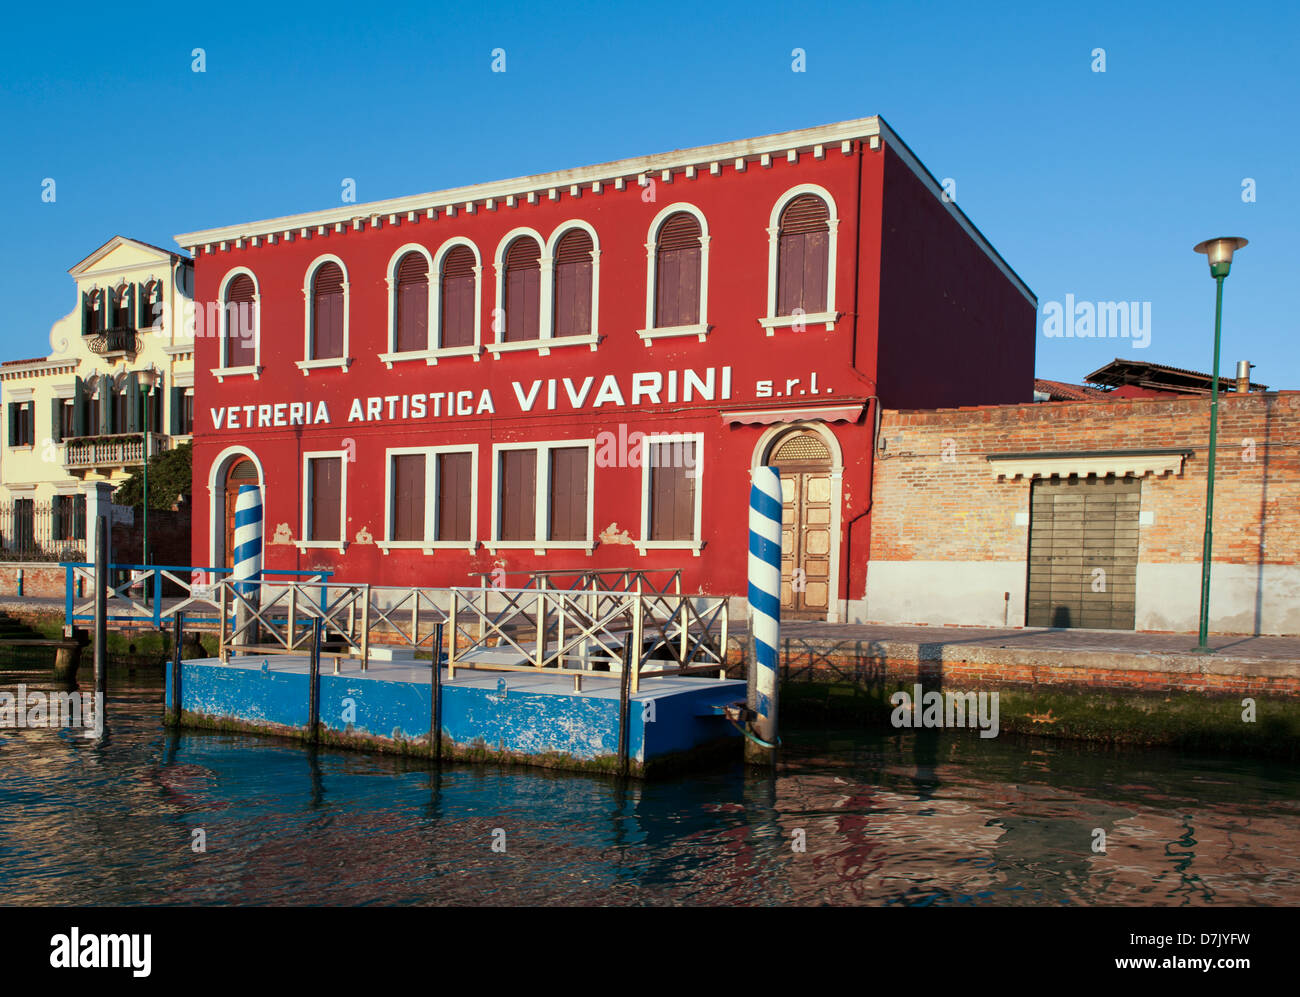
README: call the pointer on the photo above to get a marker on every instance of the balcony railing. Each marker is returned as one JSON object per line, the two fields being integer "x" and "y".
{"x": 119, "y": 340}
{"x": 119, "y": 450}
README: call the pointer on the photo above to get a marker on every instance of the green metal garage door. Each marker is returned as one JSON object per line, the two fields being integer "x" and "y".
{"x": 1083, "y": 550}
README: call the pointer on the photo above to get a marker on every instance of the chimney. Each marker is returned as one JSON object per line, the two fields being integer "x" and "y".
{"x": 1243, "y": 376}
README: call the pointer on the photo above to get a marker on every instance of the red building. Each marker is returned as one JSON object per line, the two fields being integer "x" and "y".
{"x": 578, "y": 369}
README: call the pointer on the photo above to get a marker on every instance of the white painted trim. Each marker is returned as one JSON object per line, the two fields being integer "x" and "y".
{"x": 541, "y": 500}
{"x": 762, "y": 451}
{"x": 225, "y": 370}
{"x": 217, "y": 500}
{"x": 696, "y": 543}
{"x": 308, "y": 362}
{"x": 341, "y": 544}
{"x": 410, "y": 247}
{"x": 1085, "y": 465}
{"x": 651, "y": 330}
{"x": 773, "y": 320}
{"x": 430, "y": 542}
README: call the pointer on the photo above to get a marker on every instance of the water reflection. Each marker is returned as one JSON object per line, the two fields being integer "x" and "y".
{"x": 917, "y": 818}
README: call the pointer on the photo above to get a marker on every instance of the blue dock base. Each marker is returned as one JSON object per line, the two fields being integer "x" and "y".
{"x": 521, "y": 717}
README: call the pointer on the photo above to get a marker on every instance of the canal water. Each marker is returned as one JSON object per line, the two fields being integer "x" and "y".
{"x": 902, "y": 819}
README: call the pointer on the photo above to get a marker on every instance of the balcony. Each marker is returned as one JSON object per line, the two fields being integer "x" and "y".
{"x": 118, "y": 450}
{"x": 110, "y": 342}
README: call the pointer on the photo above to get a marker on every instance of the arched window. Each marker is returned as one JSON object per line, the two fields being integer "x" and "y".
{"x": 93, "y": 316}
{"x": 803, "y": 256}
{"x": 459, "y": 298}
{"x": 573, "y": 272}
{"x": 327, "y": 312}
{"x": 150, "y": 311}
{"x": 240, "y": 315}
{"x": 523, "y": 286}
{"x": 123, "y": 310}
{"x": 677, "y": 272}
{"x": 412, "y": 304}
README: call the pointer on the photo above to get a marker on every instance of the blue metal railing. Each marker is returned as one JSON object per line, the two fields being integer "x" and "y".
{"x": 182, "y": 576}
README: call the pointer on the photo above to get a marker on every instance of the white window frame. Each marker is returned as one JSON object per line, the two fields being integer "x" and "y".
{"x": 593, "y": 337}
{"x": 701, "y": 329}
{"x": 429, "y": 544}
{"x": 224, "y": 371}
{"x": 542, "y": 498}
{"x": 773, "y": 321}
{"x": 696, "y": 544}
{"x": 308, "y": 363}
{"x": 342, "y": 543}
{"x": 391, "y": 354}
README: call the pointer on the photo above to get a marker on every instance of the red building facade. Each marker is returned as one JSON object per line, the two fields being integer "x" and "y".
{"x": 579, "y": 369}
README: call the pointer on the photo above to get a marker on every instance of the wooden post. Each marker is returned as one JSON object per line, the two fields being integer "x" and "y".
{"x": 178, "y": 635}
{"x": 624, "y": 704}
{"x": 726, "y": 616}
{"x": 365, "y": 626}
{"x": 101, "y": 604}
{"x": 540, "y": 654}
{"x": 638, "y": 644}
{"x": 223, "y": 633}
{"x": 435, "y": 720}
{"x": 451, "y": 641}
{"x": 313, "y": 687}
{"x": 293, "y": 612}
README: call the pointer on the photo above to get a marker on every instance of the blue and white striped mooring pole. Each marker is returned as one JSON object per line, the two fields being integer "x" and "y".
{"x": 247, "y": 559}
{"x": 764, "y": 610}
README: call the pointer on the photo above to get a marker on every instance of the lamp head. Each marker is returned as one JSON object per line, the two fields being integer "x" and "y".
{"x": 1219, "y": 252}
{"x": 147, "y": 379}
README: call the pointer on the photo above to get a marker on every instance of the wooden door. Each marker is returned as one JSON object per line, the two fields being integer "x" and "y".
{"x": 1083, "y": 551}
{"x": 804, "y": 463}
{"x": 242, "y": 472}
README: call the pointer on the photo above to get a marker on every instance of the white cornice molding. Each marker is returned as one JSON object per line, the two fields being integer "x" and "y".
{"x": 1084, "y": 465}
{"x": 844, "y": 132}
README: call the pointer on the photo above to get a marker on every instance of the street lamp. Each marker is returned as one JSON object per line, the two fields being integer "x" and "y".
{"x": 147, "y": 380}
{"x": 1219, "y": 252}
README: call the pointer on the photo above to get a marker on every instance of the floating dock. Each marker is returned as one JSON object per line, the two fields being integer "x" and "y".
{"x": 534, "y": 718}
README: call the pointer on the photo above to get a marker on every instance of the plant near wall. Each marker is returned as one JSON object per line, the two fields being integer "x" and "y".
{"x": 169, "y": 477}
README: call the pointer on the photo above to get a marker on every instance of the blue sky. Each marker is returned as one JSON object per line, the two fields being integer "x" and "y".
{"x": 1091, "y": 184}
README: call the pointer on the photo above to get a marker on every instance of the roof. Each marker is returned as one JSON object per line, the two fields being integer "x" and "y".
{"x": 1063, "y": 391}
{"x": 14, "y": 363}
{"x": 1144, "y": 374}
{"x": 84, "y": 264}
{"x": 818, "y": 141}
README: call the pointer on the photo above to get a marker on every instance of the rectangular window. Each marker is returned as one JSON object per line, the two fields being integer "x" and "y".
{"x": 187, "y": 413}
{"x": 324, "y": 499}
{"x": 408, "y": 496}
{"x": 568, "y": 494}
{"x": 671, "y": 490}
{"x": 455, "y": 496}
{"x": 517, "y": 489}
{"x": 67, "y": 420}
{"x": 543, "y": 494}
{"x": 26, "y": 412}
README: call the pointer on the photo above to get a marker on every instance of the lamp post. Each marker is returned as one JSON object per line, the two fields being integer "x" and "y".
{"x": 1219, "y": 252}
{"x": 147, "y": 379}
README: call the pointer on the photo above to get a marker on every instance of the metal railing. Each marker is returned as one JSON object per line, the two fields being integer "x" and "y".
{"x": 575, "y": 631}
{"x": 139, "y": 593}
{"x": 42, "y": 531}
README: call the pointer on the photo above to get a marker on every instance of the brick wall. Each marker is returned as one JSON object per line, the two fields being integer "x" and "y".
{"x": 936, "y": 498}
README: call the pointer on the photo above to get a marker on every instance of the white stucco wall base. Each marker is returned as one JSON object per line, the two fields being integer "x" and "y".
{"x": 1244, "y": 599}
{"x": 958, "y": 593}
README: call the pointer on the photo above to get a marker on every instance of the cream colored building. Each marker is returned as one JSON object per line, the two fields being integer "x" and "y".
{"x": 78, "y": 416}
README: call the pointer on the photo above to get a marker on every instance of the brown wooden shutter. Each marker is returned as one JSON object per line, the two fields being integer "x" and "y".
{"x": 458, "y": 298}
{"x": 325, "y": 485}
{"x": 408, "y": 496}
{"x": 568, "y": 512}
{"x": 241, "y": 346}
{"x": 523, "y": 290}
{"x": 803, "y": 256}
{"x": 518, "y": 496}
{"x": 412, "y": 311}
{"x": 573, "y": 272}
{"x": 327, "y": 320}
{"x": 454, "y": 496}
{"x": 672, "y": 490}
{"x": 677, "y": 272}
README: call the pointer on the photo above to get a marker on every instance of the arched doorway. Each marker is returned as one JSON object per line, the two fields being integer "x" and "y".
{"x": 233, "y": 467}
{"x": 242, "y": 471}
{"x": 807, "y": 524}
